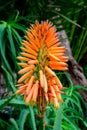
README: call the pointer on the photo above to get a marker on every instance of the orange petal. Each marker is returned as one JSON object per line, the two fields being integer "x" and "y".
{"x": 30, "y": 84}
{"x": 56, "y": 104}
{"x": 26, "y": 69}
{"x": 41, "y": 78}
{"x": 25, "y": 76}
{"x": 53, "y": 57}
{"x": 57, "y": 91}
{"x": 26, "y": 50}
{"x": 49, "y": 71}
{"x": 30, "y": 49}
{"x": 35, "y": 94}
{"x": 23, "y": 64}
{"x": 21, "y": 89}
{"x": 45, "y": 86}
{"x": 52, "y": 42}
{"x": 59, "y": 64}
{"x": 28, "y": 55}
{"x": 29, "y": 97}
{"x": 58, "y": 83}
{"x": 32, "y": 62}
{"x": 22, "y": 58}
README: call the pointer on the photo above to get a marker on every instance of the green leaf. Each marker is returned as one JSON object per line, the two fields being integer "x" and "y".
{"x": 20, "y": 27}
{"x": 74, "y": 117}
{"x": 2, "y": 47}
{"x": 16, "y": 35}
{"x": 70, "y": 122}
{"x": 22, "y": 118}
{"x": 33, "y": 124}
{"x": 9, "y": 78}
{"x": 68, "y": 19}
{"x": 4, "y": 102}
{"x": 12, "y": 47}
{"x": 13, "y": 121}
{"x": 17, "y": 101}
{"x": 66, "y": 126}
{"x": 3, "y": 123}
{"x": 58, "y": 120}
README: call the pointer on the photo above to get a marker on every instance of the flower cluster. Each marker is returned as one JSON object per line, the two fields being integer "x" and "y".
{"x": 41, "y": 54}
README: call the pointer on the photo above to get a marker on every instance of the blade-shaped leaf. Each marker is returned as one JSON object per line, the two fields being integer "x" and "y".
{"x": 9, "y": 78}
{"x": 22, "y": 118}
{"x": 2, "y": 47}
{"x": 58, "y": 120}
{"x": 4, "y": 102}
{"x": 12, "y": 47}
{"x": 13, "y": 121}
{"x": 33, "y": 124}
{"x": 70, "y": 122}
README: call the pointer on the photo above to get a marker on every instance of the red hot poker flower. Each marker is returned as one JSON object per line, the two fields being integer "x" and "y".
{"x": 41, "y": 54}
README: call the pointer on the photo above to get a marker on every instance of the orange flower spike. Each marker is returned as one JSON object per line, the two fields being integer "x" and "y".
{"x": 41, "y": 52}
